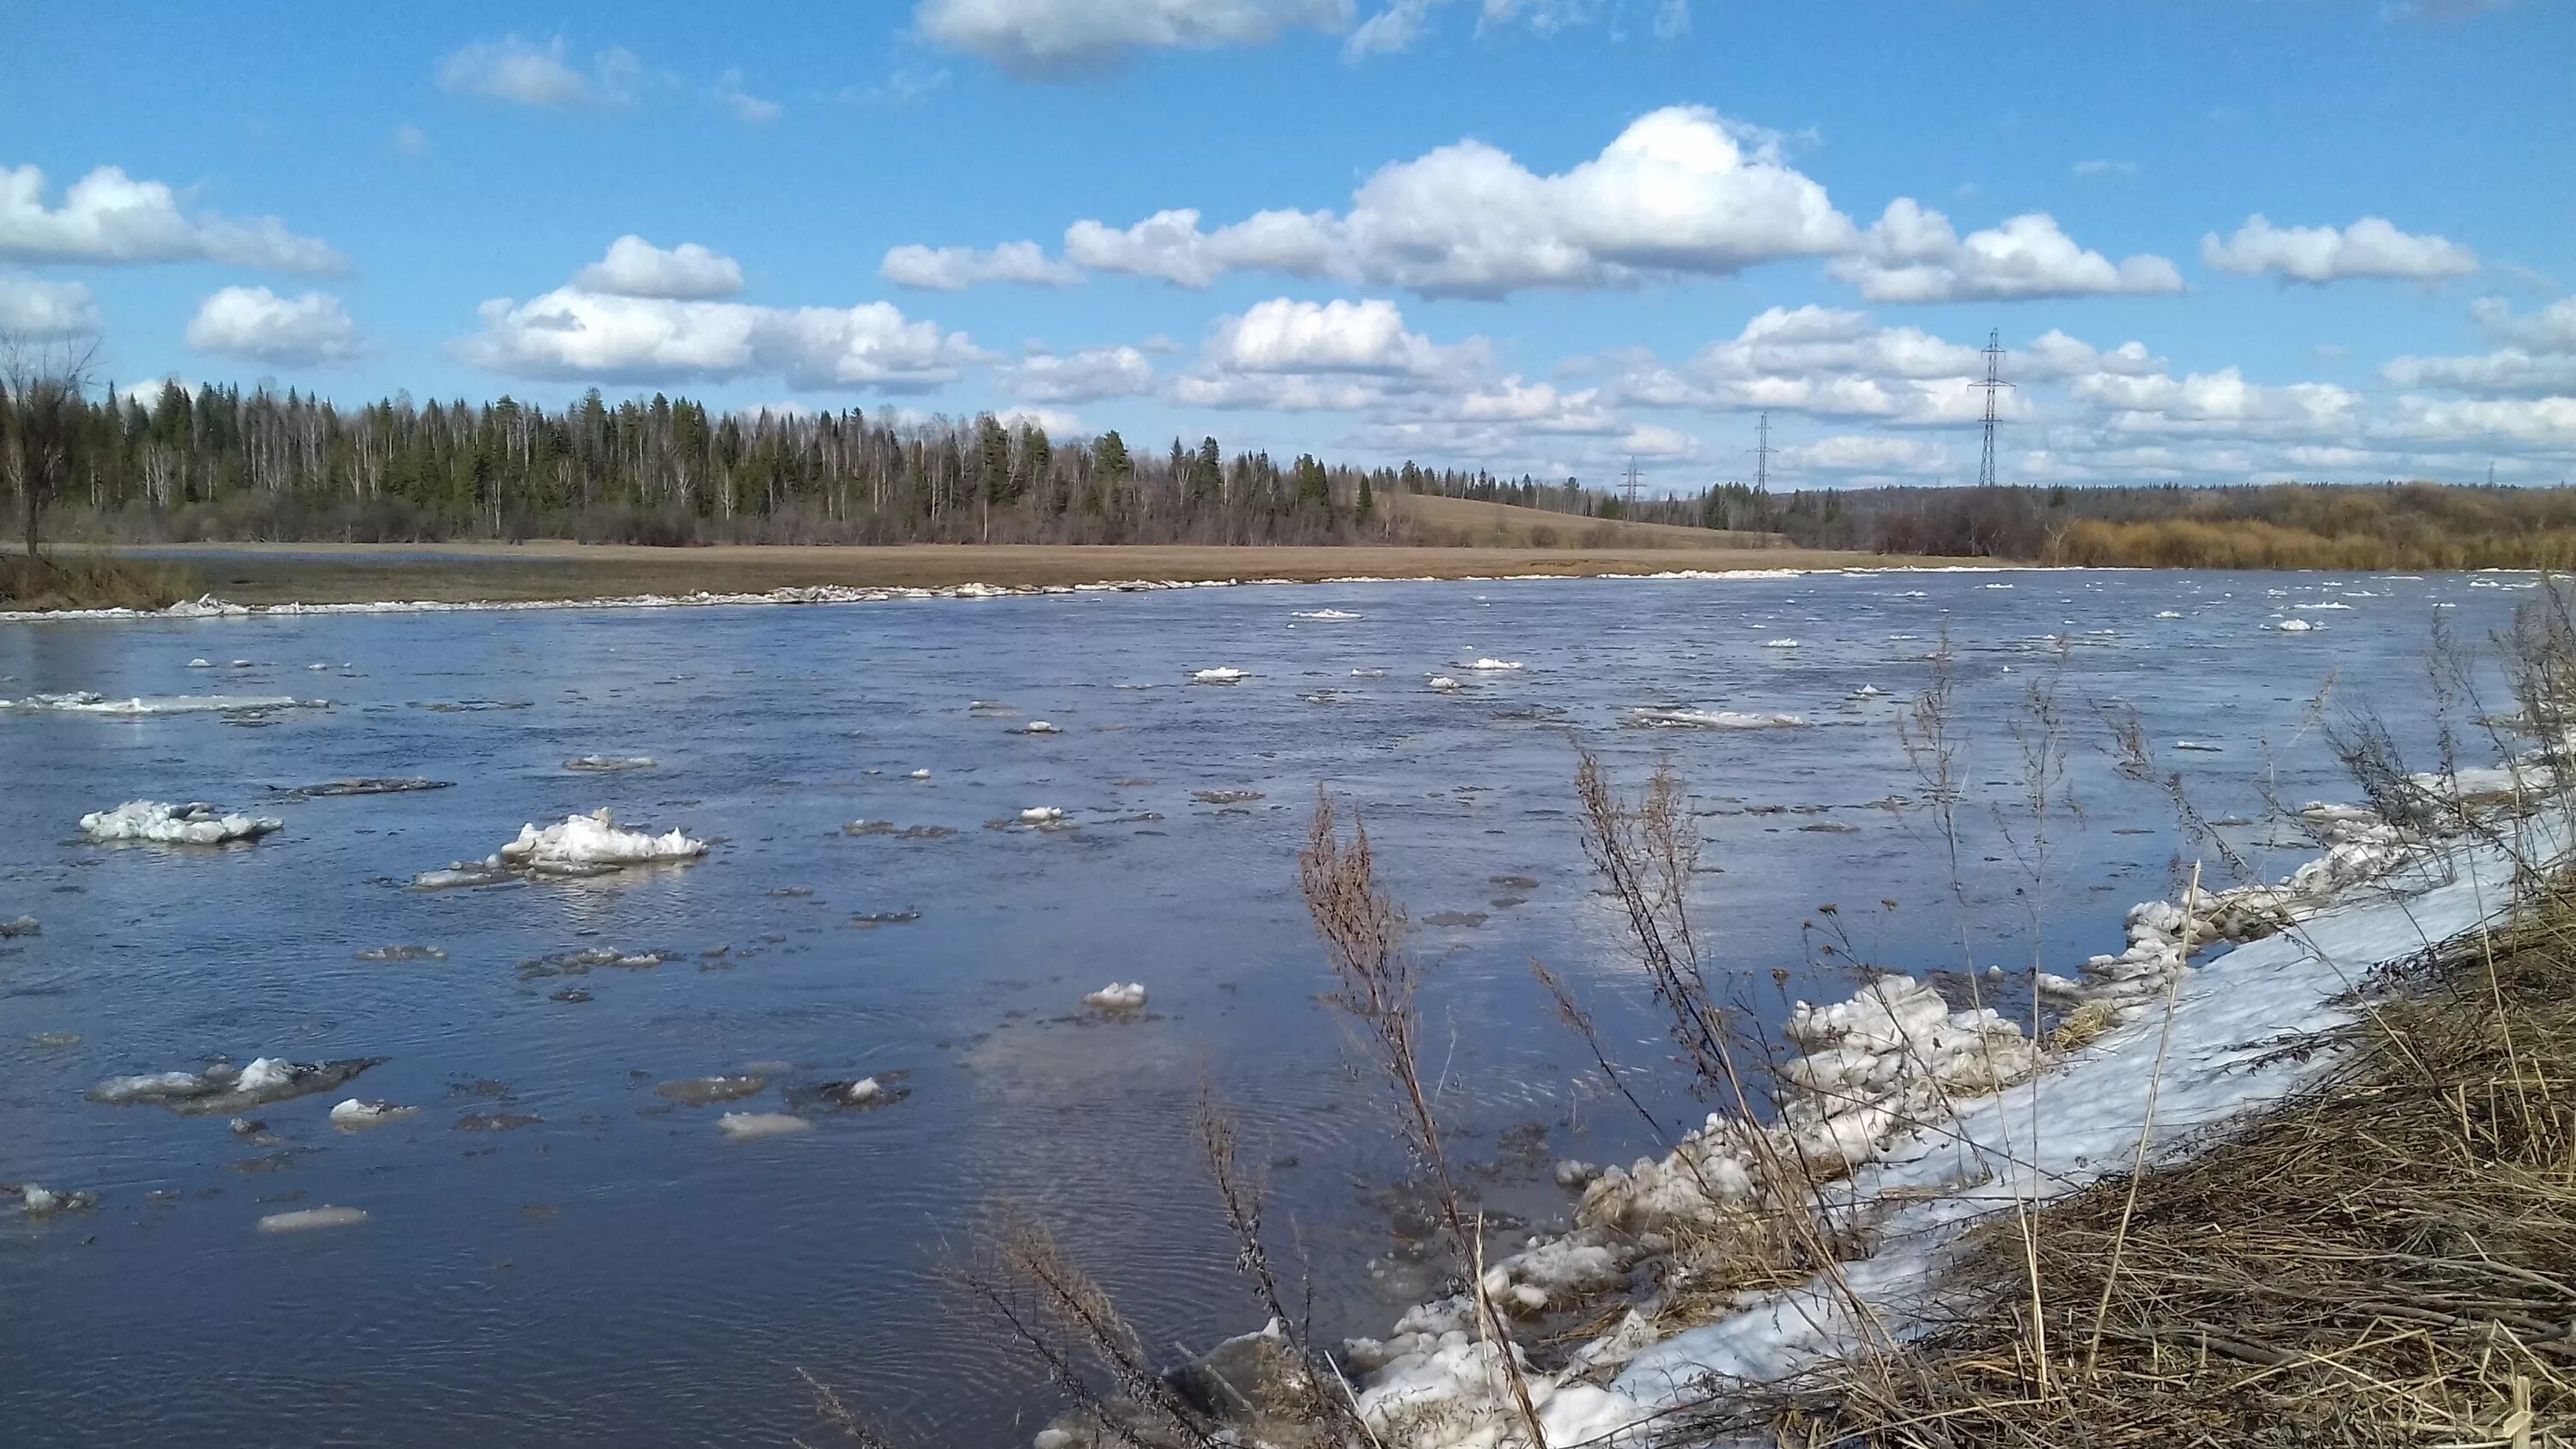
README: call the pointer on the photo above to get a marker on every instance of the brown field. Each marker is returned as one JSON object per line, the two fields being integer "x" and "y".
{"x": 356, "y": 573}
{"x": 1503, "y": 525}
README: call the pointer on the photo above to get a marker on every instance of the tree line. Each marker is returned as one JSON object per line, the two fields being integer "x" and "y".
{"x": 223, "y": 463}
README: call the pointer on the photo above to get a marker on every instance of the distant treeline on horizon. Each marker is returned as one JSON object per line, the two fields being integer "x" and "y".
{"x": 224, "y": 464}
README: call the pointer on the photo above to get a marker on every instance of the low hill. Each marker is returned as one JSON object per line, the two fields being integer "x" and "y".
{"x": 1466, "y": 522}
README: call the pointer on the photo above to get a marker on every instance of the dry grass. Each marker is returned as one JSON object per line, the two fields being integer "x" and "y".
{"x": 456, "y": 573}
{"x": 79, "y": 579}
{"x": 1504, "y": 525}
{"x": 2388, "y": 1259}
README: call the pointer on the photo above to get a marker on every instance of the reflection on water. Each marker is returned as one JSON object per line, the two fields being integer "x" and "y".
{"x": 616, "y": 1268}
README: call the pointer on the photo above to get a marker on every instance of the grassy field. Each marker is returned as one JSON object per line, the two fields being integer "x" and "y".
{"x": 348, "y": 573}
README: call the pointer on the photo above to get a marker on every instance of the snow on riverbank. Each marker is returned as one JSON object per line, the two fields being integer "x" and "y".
{"x": 195, "y": 823}
{"x": 579, "y": 845}
{"x": 1925, "y": 1119}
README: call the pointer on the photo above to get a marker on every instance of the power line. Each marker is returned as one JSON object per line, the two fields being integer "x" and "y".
{"x": 1632, "y": 485}
{"x": 1762, "y": 456}
{"x": 1992, "y": 387}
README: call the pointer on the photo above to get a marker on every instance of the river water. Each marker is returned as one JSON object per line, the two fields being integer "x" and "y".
{"x": 618, "y": 1271}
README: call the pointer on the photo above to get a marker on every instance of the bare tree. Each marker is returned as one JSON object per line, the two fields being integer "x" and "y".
{"x": 41, "y": 418}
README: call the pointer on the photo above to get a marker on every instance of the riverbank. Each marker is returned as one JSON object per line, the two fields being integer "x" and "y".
{"x": 2382, "y": 1258}
{"x": 267, "y": 575}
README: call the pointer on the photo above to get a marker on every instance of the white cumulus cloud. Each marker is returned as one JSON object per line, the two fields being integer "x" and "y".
{"x": 521, "y": 73}
{"x": 1681, "y": 191}
{"x": 953, "y": 269}
{"x": 574, "y": 334}
{"x": 1056, "y": 38}
{"x": 1912, "y": 254}
{"x": 257, "y": 324}
{"x": 2370, "y": 247}
{"x": 38, "y": 311}
{"x": 1282, "y": 335}
{"x": 635, "y": 267}
{"x": 1083, "y": 376}
{"x": 109, "y": 218}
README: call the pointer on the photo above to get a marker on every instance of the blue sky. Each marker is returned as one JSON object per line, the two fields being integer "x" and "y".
{"x": 2270, "y": 238}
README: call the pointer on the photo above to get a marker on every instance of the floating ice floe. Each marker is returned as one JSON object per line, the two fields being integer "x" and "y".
{"x": 1867, "y": 691}
{"x": 918, "y": 775}
{"x": 866, "y": 1091}
{"x": 225, "y": 1089}
{"x": 1222, "y": 674}
{"x": 83, "y": 702}
{"x": 608, "y": 764}
{"x": 1709, "y": 719}
{"x": 1117, "y": 996}
{"x": 762, "y": 1124}
{"x": 402, "y": 953}
{"x": 1038, "y": 727}
{"x": 581, "y": 845}
{"x": 201, "y": 664}
{"x": 1779, "y": 643}
{"x": 308, "y": 1219}
{"x": 38, "y": 1202}
{"x": 1443, "y": 683}
{"x": 2297, "y": 626}
{"x": 2199, "y": 747}
{"x": 2327, "y": 605}
{"x": 356, "y": 1116}
{"x": 1041, "y": 815}
{"x": 1495, "y": 666}
{"x": 1368, "y": 674}
{"x": 23, "y": 926}
{"x": 2167, "y": 614}
{"x": 195, "y": 823}
{"x": 1324, "y": 614}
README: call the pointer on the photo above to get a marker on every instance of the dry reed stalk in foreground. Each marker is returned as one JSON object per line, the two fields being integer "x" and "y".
{"x": 2388, "y": 1259}
{"x": 1363, "y": 933}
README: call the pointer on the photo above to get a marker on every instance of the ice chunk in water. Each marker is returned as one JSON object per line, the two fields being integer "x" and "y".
{"x": 195, "y": 823}
{"x": 761, "y": 1124}
{"x": 920, "y": 775}
{"x": 606, "y": 764}
{"x": 1779, "y": 643}
{"x": 1041, "y": 815}
{"x": 356, "y": 1116}
{"x": 1117, "y": 996}
{"x": 1443, "y": 683}
{"x": 23, "y": 926}
{"x": 201, "y": 664}
{"x": 2297, "y": 626}
{"x": 310, "y": 1218}
{"x": 594, "y": 839}
{"x": 1495, "y": 666}
{"x": 1222, "y": 674}
{"x": 1039, "y": 727}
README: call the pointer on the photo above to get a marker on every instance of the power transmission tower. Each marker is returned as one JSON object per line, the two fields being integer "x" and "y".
{"x": 1993, "y": 386}
{"x": 1762, "y": 457}
{"x": 1631, "y": 485}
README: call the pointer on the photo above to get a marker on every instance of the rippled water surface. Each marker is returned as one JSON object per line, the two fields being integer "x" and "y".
{"x": 620, "y": 1272}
